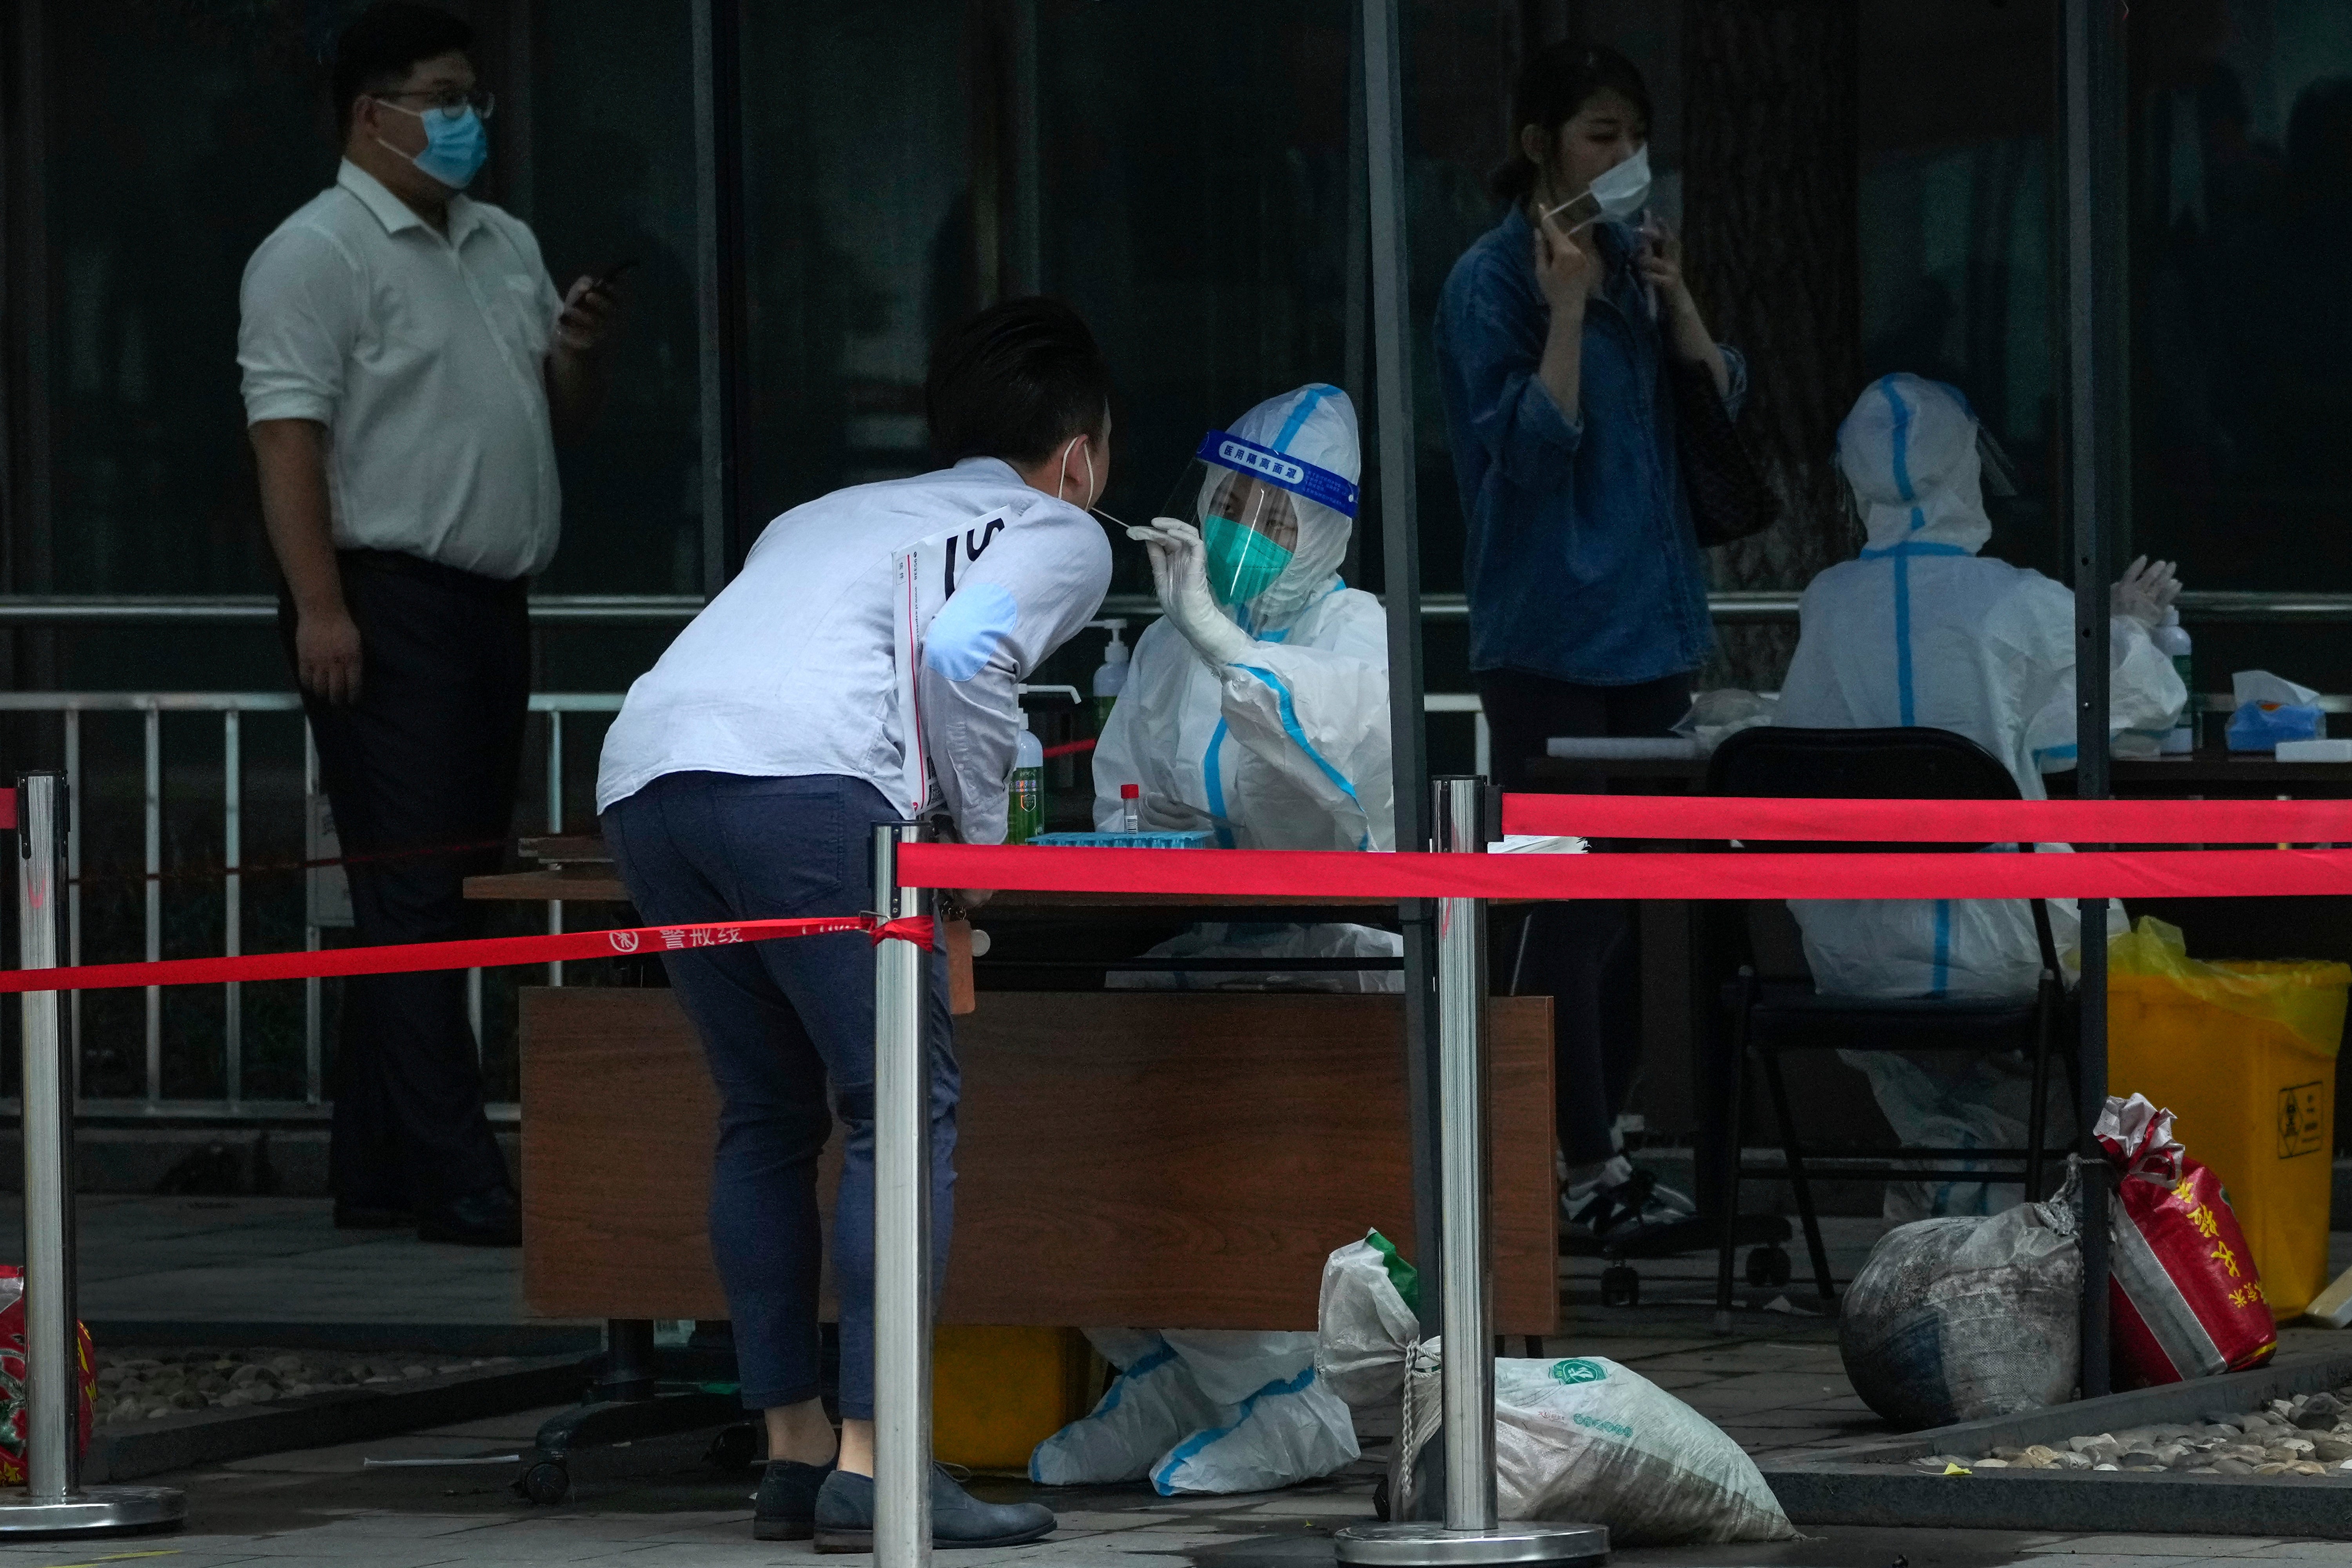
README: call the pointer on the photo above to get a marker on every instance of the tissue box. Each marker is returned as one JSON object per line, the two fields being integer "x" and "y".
{"x": 1124, "y": 840}
{"x": 2260, "y": 726}
{"x": 2315, "y": 751}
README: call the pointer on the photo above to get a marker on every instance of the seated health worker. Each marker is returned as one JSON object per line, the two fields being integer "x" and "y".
{"x": 1922, "y": 630}
{"x": 861, "y": 668}
{"x": 1256, "y": 708}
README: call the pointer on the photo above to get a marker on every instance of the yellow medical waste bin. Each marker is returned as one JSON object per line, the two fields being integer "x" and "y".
{"x": 997, "y": 1392}
{"x": 2243, "y": 1052}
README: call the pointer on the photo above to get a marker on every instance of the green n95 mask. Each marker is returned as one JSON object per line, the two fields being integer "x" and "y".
{"x": 1242, "y": 562}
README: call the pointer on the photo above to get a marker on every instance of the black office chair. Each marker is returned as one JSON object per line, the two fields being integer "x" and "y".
{"x": 1775, "y": 1008}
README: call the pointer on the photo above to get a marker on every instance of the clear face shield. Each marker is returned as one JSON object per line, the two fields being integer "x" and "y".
{"x": 1244, "y": 498}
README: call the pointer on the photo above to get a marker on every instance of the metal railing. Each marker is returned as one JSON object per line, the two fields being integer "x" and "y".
{"x": 1732, "y": 606}
{"x": 232, "y": 707}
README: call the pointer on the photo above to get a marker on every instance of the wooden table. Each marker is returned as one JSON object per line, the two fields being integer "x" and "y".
{"x": 1174, "y": 1159}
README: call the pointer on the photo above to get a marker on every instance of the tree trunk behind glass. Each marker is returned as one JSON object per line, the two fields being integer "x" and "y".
{"x": 1770, "y": 226}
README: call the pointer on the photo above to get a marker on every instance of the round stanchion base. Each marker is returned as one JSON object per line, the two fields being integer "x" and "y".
{"x": 1431, "y": 1545}
{"x": 92, "y": 1508}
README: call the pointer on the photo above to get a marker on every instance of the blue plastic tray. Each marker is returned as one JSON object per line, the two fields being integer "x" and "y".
{"x": 1124, "y": 840}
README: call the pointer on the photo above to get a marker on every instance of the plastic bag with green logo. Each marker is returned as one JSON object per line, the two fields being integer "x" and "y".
{"x": 1582, "y": 1439}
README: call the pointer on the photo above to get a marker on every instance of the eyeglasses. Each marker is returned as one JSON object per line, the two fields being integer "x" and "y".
{"x": 450, "y": 101}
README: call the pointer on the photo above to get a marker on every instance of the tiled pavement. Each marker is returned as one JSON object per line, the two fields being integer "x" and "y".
{"x": 1776, "y": 1386}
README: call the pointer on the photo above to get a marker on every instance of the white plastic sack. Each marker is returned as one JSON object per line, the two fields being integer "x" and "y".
{"x": 1273, "y": 942}
{"x": 1367, "y": 1321}
{"x": 1961, "y": 1318}
{"x": 1584, "y": 1439}
{"x": 1576, "y": 1439}
{"x": 1203, "y": 1411}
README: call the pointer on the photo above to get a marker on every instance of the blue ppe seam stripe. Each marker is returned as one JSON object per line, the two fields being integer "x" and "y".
{"x": 1943, "y": 975}
{"x": 1899, "y": 433}
{"x": 1202, "y": 1439}
{"x": 1213, "y": 785}
{"x": 1291, "y": 426}
{"x": 1903, "y": 640}
{"x": 1291, "y": 726}
{"x": 1912, "y": 547}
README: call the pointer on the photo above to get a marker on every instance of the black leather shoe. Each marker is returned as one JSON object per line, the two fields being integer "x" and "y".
{"x": 786, "y": 1507}
{"x": 491, "y": 1218}
{"x": 845, "y": 1516}
{"x": 371, "y": 1216}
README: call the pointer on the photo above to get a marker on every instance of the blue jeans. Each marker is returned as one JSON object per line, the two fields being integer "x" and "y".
{"x": 787, "y": 1027}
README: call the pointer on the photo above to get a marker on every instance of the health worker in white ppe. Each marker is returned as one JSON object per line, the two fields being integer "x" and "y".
{"x": 1257, "y": 707}
{"x": 1924, "y": 631}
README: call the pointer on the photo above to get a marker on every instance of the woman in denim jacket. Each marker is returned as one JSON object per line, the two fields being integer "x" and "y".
{"x": 1588, "y": 595}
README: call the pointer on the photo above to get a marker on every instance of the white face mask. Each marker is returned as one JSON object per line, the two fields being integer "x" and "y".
{"x": 1618, "y": 193}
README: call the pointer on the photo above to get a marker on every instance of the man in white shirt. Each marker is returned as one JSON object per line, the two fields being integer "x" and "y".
{"x": 407, "y": 364}
{"x": 862, "y": 669}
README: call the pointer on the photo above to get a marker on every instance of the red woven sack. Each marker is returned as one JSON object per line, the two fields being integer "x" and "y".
{"x": 2184, "y": 1298}
{"x": 12, "y": 1378}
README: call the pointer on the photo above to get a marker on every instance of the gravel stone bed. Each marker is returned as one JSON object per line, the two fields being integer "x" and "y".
{"x": 2309, "y": 1436}
{"x": 138, "y": 1385}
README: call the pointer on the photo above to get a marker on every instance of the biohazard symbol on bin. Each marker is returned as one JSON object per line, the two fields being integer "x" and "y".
{"x": 2301, "y": 1121}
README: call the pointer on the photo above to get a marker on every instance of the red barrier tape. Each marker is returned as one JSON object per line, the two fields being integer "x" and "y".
{"x": 1068, "y": 749}
{"x": 1255, "y": 874}
{"x": 1934, "y": 821}
{"x": 7, "y": 811}
{"x": 488, "y": 952}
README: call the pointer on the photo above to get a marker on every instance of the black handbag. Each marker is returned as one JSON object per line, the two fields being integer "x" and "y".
{"x": 1728, "y": 497}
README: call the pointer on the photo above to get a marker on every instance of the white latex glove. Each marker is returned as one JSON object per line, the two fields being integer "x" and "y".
{"x": 1179, "y": 571}
{"x": 2145, "y": 591}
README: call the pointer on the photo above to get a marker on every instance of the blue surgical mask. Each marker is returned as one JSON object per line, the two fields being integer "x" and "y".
{"x": 1242, "y": 562}
{"x": 455, "y": 146}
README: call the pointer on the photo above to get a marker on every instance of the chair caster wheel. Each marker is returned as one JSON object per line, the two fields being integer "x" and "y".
{"x": 547, "y": 1483}
{"x": 735, "y": 1447}
{"x": 1768, "y": 1267}
{"x": 1620, "y": 1286}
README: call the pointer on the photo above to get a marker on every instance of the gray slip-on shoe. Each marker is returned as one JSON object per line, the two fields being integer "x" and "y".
{"x": 845, "y": 1516}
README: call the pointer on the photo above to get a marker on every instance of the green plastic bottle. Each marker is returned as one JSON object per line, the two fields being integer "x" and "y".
{"x": 1024, "y": 811}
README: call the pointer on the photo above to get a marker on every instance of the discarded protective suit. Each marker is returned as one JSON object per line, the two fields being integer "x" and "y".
{"x": 1921, "y": 630}
{"x": 1207, "y": 1410}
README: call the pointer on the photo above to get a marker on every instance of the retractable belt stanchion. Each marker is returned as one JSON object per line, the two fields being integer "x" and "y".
{"x": 52, "y": 1499}
{"x": 902, "y": 1220}
{"x": 1471, "y": 1533}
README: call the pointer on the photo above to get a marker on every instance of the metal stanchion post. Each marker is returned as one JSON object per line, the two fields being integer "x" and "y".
{"x": 1471, "y": 1533}
{"x": 902, "y": 1221}
{"x": 52, "y": 1499}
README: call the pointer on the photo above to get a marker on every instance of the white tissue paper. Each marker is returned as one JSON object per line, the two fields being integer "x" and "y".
{"x": 2261, "y": 686}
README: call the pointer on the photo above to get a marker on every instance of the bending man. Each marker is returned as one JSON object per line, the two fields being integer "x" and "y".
{"x": 744, "y": 778}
